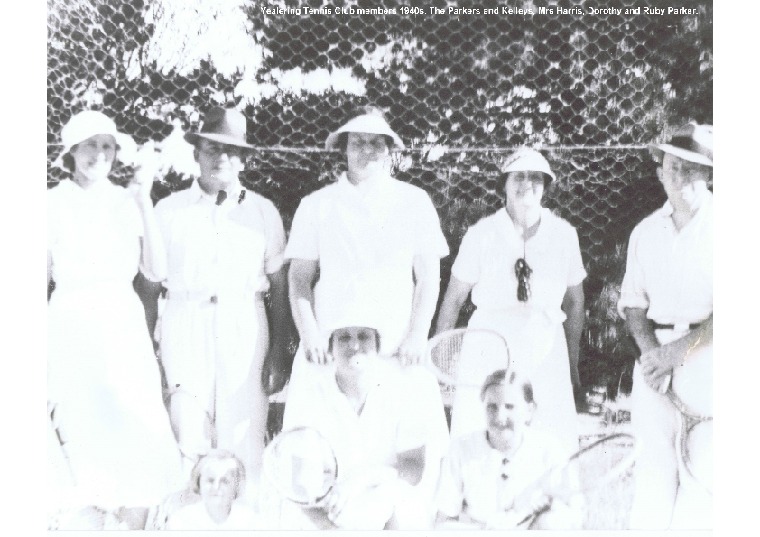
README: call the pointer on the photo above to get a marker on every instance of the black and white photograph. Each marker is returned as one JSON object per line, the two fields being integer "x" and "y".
{"x": 379, "y": 265}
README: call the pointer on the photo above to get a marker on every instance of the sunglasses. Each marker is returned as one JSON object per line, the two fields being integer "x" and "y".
{"x": 523, "y": 271}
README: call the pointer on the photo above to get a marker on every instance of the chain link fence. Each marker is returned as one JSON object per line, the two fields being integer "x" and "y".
{"x": 463, "y": 89}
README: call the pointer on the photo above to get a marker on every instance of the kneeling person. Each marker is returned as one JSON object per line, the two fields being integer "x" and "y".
{"x": 489, "y": 477}
{"x": 386, "y": 436}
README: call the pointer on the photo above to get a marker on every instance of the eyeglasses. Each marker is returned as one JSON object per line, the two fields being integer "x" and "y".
{"x": 215, "y": 150}
{"x": 523, "y": 271}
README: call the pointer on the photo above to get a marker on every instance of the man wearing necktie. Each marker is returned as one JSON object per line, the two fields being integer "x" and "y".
{"x": 224, "y": 247}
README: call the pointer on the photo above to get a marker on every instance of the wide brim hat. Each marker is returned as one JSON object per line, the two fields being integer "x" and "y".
{"x": 692, "y": 142}
{"x": 367, "y": 124}
{"x": 90, "y": 123}
{"x": 526, "y": 159}
{"x": 223, "y": 125}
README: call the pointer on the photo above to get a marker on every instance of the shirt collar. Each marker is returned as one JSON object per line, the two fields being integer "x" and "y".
{"x": 704, "y": 205}
{"x": 367, "y": 187}
{"x": 198, "y": 194}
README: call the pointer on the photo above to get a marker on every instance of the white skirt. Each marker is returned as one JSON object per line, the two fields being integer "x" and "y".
{"x": 104, "y": 381}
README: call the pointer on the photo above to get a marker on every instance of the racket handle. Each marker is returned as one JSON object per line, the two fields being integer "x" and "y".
{"x": 665, "y": 383}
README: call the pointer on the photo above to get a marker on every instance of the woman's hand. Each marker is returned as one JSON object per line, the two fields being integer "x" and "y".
{"x": 411, "y": 351}
{"x": 147, "y": 164}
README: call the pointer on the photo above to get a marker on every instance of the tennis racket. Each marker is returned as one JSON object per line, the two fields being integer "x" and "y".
{"x": 301, "y": 465}
{"x": 689, "y": 390}
{"x": 694, "y": 406}
{"x": 589, "y": 469}
{"x": 465, "y": 357}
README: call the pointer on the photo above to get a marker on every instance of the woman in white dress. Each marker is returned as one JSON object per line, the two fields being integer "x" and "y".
{"x": 523, "y": 266}
{"x": 103, "y": 378}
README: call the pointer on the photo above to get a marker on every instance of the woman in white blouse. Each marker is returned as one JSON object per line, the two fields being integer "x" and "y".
{"x": 523, "y": 266}
{"x": 103, "y": 379}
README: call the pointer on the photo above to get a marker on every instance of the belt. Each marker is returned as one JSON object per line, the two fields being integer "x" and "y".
{"x": 679, "y": 326}
{"x": 206, "y": 298}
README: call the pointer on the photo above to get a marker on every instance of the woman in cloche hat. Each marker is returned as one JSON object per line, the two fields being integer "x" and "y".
{"x": 524, "y": 268}
{"x": 103, "y": 379}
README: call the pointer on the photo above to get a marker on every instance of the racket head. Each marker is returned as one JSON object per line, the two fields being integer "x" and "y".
{"x": 696, "y": 444}
{"x": 465, "y": 357}
{"x": 301, "y": 465}
{"x": 592, "y": 467}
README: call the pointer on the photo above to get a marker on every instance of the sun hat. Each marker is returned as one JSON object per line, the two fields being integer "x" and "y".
{"x": 691, "y": 142}
{"x": 223, "y": 125}
{"x": 369, "y": 123}
{"x": 89, "y": 123}
{"x": 526, "y": 159}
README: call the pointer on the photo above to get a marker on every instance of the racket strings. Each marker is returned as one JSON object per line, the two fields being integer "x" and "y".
{"x": 301, "y": 465}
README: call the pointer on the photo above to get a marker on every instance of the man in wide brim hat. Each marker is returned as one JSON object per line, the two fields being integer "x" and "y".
{"x": 222, "y": 125}
{"x": 224, "y": 252}
{"x": 667, "y": 300}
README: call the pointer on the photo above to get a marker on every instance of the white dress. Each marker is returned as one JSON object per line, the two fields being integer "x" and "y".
{"x": 533, "y": 329}
{"x": 103, "y": 377}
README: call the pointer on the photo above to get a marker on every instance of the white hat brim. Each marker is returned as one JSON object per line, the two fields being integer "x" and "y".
{"x": 657, "y": 151}
{"x": 126, "y": 153}
{"x": 367, "y": 124}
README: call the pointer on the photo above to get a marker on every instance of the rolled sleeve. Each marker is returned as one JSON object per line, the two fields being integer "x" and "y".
{"x": 632, "y": 291}
{"x": 304, "y": 233}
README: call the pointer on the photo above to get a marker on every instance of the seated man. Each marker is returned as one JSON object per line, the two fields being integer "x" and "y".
{"x": 489, "y": 478}
{"x": 217, "y": 481}
{"x": 388, "y": 431}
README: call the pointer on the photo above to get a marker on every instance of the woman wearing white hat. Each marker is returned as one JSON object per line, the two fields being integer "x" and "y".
{"x": 387, "y": 429}
{"x": 523, "y": 266}
{"x": 102, "y": 373}
{"x": 366, "y": 242}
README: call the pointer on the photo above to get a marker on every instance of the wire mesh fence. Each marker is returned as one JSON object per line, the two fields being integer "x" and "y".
{"x": 462, "y": 88}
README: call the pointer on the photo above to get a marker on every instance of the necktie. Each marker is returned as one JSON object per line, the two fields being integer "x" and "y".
{"x": 220, "y": 197}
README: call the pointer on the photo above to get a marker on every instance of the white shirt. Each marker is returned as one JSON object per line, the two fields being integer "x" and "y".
{"x": 471, "y": 476}
{"x": 365, "y": 239}
{"x": 402, "y": 412}
{"x": 196, "y": 517}
{"x": 669, "y": 272}
{"x": 93, "y": 234}
{"x": 220, "y": 249}
{"x": 487, "y": 259}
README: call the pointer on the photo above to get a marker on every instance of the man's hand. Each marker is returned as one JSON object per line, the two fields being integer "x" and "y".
{"x": 657, "y": 365}
{"x": 412, "y": 348}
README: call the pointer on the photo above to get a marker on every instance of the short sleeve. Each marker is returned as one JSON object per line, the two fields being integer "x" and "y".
{"x": 467, "y": 266}
{"x": 576, "y": 273}
{"x": 304, "y": 233}
{"x": 632, "y": 292}
{"x": 275, "y": 237}
{"x": 429, "y": 240}
{"x": 449, "y": 497}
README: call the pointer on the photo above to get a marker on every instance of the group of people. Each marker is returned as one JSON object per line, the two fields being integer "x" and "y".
{"x": 359, "y": 274}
